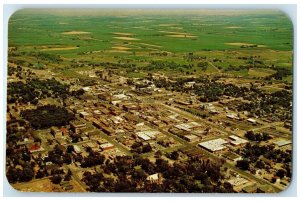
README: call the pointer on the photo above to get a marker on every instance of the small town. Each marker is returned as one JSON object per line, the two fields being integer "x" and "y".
{"x": 132, "y": 129}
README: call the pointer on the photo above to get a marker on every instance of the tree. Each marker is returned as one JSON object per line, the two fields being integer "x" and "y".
{"x": 56, "y": 179}
{"x": 158, "y": 154}
{"x": 40, "y": 174}
{"x": 281, "y": 173}
{"x": 243, "y": 164}
{"x": 27, "y": 174}
{"x": 68, "y": 175}
{"x": 173, "y": 155}
{"x": 146, "y": 148}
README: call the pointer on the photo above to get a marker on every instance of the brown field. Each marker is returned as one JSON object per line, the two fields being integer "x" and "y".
{"x": 260, "y": 72}
{"x": 178, "y": 34}
{"x": 181, "y": 36}
{"x": 167, "y": 25}
{"x": 240, "y": 44}
{"x": 174, "y": 32}
{"x": 75, "y": 32}
{"x": 123, "y": 34}
{"x": 147, "y": 44}
{"x": 118, "y": 51}
{"x": 59, "y": 48}
{"x": 120, "y": 48}
{"x": 233, "y": 27}
{"x": 126, "y": 38}
{"x": 45, "y": 185}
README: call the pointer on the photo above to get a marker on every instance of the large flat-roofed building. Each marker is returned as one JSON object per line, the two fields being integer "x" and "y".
{"x": 77, "y": 126}
{"x": 77, "y": 149}
{"x": 282, "y": 143}
{"x": 184, "y": 127}
{"x": 235, "y": 140}
{"x": 106, "y": 146}
{"x": 214, "y": 145}
{"x": 143, "y": 136}
{"x": 187, "y": 126}
{"x": 147, "y": 135}
{"x": 190, "y": 138}
{"x": 237, "y": 181}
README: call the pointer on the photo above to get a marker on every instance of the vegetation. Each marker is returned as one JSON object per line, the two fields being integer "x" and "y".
{"x": 46, "y": 116}
{"x": 257, "y": 136}
{"x": 196, "y": 175}
{"x": 34, "y": 90}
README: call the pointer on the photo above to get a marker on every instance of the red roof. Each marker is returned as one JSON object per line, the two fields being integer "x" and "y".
{"x": 64, "y": 130}
{"x": 34, "y": 147}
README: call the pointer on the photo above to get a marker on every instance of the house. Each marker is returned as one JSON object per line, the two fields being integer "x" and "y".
{"x": 189, "y": 84}
{"x": 154, "y": 178}
{"x": 35, "y": 148}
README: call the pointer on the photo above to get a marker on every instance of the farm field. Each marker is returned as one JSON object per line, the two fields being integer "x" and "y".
{"x": 141, "y": 37}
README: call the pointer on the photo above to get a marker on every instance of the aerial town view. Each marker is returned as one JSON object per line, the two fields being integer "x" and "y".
{"x": 149, "y": 100}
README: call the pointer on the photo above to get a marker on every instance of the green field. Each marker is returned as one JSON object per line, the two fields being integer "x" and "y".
{"x": 211, "y": 30}
{"x": 132, "y": 36}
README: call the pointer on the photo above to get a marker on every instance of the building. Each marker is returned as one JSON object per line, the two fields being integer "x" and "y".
{"x": 35, "y": 148}
{"x": 83, "y": 114}
{"x": 56, "y": 132}
{"x": 237, "y": 181}
{"x": 77, "y": 126}
{"x": 129, "y": 107}
{"x": 265, "y": 189}
{"x": 77, "y": 149}
{"x": 251, "y": 120}
{"x": 147, "y": 135}
{"x": 232, "y": 116}
{"x": 189, "y": 84}
{"x": 190, "y": 138}
{"x": 106, "y": 146}
{"x": 267, "y": 161}
{"x": 250, "y": 189}
{"x": 236, "y": 141}
{"x": 154, "y": 178}
{"x": 104, "y": 96}
{"x": 120, "y": 97}
{"x": 282, "y": 143}
{"x": 232, "y": 156}
{"x": 143, "y": 136}
{"x": 101, "y": 125}
{"x": 214, "y": 145}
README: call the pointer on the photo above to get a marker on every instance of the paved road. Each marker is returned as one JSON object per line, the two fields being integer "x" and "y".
{"x": 213, "y": 66}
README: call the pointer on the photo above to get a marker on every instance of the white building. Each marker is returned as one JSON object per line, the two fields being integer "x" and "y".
{"x": 214, "y": 145}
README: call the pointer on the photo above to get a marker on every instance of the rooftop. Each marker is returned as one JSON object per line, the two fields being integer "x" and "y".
{"x": 214, "y": 145}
